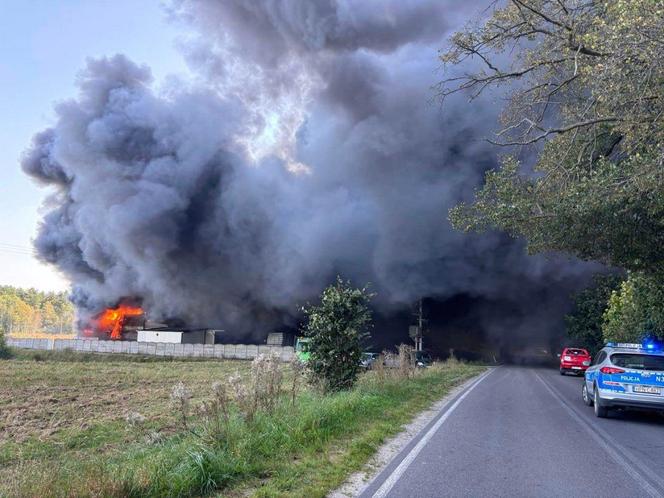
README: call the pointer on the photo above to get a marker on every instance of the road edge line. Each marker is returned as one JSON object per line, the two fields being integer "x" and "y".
{"x": 615, "y": 452}
{"x": 396, "y": 474}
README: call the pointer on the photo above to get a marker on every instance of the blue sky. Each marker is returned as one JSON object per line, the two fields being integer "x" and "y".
{"x": 43, "y": 45}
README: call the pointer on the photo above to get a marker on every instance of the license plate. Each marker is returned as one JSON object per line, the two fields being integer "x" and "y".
{"x": 576, "y": 368}
{"x": 646, "y": 389}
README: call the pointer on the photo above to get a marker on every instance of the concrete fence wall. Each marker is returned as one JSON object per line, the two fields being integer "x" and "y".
{"x": 228, "y": 351}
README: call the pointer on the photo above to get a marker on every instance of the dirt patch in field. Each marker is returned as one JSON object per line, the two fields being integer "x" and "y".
{"x": 41, "y": 399}
{"x": 40, "y": 412}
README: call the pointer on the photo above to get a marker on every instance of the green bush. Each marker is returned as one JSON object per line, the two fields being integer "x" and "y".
{"x": 337, "y": 328}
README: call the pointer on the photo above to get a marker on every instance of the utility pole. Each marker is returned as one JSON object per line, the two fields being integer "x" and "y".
{"x": 417, "y": 331}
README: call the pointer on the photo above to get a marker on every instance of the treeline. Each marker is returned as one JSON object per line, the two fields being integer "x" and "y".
{"x": 618, "y": 308}
{"x": 585, "y": 95}
{"x": 29, "y": 310}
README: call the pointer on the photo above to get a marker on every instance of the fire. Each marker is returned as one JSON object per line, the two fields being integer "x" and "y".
{"x": 111, "y": 320}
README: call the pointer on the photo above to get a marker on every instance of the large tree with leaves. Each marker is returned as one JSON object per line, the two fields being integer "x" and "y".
{"x": 585, "y": 81}
{"x": 585, "y": 321}
{"x": 636, "y": 310}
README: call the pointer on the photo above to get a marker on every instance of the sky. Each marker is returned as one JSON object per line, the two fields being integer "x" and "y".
{"x": 167, "y": 206}
{"x": 43, "y": 45}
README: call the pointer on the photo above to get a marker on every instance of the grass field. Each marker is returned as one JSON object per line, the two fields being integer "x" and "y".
{"x": 63, "y": 430}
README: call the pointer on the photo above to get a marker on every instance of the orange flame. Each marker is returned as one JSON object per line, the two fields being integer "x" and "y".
{"x": 112, "y": 319}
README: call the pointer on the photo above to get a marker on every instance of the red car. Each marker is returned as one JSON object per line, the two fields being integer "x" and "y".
{"x": 574, "y": 360}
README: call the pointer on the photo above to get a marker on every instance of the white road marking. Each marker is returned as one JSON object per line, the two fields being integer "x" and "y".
{"x": 621, "y": 457}
{"x": 405, "y": 463}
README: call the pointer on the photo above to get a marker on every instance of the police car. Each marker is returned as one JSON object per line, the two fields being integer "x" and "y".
{"x": 625, "y": 376}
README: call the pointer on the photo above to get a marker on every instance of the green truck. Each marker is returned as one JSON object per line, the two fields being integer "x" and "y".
{"x": 302, "y": 349}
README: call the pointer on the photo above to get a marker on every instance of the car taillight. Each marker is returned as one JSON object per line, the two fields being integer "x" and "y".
{"x": 611, "y": 370}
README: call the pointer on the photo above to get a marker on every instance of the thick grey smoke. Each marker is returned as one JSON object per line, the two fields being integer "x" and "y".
{"x": 308, "y": 147}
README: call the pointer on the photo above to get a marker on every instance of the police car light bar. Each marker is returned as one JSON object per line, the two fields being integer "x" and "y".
{"x": 650, "y": 346}
{"x": 626, "y": 345}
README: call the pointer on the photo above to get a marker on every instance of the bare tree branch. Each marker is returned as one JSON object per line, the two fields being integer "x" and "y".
{"x": 552, "y": 131}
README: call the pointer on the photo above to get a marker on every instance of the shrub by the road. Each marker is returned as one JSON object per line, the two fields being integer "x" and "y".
{"x": 337, "y": 328}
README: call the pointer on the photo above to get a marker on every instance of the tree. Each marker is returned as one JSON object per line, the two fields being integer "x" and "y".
{"x": 337, "y": 328}
{"x": 635, "y": 310}
{"x": 65, "y": 311}
{"x": 22, "y": 317}
{"x": 4, "y": 350}
{"x": 584, "y": 322}
{"x": 26, "y": 309}
{"x": 5, "y": 303}
{"x": 584, "y": 80}
{"x": 50, "y": 318}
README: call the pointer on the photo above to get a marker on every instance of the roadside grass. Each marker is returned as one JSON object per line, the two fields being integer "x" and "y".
{"x": 303, "y": 449}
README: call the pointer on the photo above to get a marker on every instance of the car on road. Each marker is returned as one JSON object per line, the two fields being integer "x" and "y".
{"x": 422, "y": 359}
{"x": 368, "y": 359}
{"x": 625, "y": 376}
{"x": 575, "y": 360}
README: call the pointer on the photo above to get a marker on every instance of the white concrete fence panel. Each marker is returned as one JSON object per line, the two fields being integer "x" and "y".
{"x": 225, "y": 351}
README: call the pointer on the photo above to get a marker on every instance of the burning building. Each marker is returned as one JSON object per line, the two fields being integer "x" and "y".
{"x": 118, "y": 323}
{"x": 307, "y": 146}
{"x": 129, "y": 322}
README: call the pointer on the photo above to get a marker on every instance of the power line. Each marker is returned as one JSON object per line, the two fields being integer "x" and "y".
{"x": 18, "y": 246}
{"x": 8, "y": 248}
{"x": 24, "y": 251}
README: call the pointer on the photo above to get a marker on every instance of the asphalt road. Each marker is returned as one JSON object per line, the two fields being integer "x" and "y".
{"x": 526, "y": 432}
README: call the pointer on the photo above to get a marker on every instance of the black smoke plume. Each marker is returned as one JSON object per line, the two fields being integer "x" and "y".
{"x": 307, "y": 146}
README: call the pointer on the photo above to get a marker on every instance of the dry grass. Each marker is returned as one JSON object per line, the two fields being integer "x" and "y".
{"x": 39, "y": 399}
{"x": 49, "y": 409}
